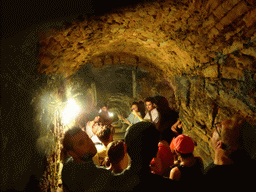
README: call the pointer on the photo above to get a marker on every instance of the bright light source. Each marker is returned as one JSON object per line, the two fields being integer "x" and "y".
{"x": 71, "y": 110}
{"x": 110, "y": 114}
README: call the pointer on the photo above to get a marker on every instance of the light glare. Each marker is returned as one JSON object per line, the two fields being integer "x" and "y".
{"x": 111, "y": 114}
{"x": 71, "y": 110}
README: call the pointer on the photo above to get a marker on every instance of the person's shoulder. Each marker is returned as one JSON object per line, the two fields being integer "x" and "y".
{"x": 163, "y": 183}
{"x": 130, "y": 116}
{"x": 155, "y": 110}
{"x": 100, "y": 148}
{"x": 209, "y": 167}
{"x": 175, "y": 173}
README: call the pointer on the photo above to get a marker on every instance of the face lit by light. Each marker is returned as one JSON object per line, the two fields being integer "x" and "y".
{"x": 135, "y": 108}
{"x": 149, "y": 106}
{"x": 104, "y": 109}
{"x": 71, "y": 110}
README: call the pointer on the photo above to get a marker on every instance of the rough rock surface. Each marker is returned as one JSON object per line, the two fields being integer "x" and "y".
{"x": 204, "y": 49}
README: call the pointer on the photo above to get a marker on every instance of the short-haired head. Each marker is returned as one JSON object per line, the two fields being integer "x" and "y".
{"x": 103, "y": 105}
{"x": 150, "y": 99}
{"x": 105, "y": 132}
{"x": 68, "y": 136}
{"x": 231, "y": 133}
{"x": 116, "y": 151}
{"x": 142, "y": 142}
{"x": 135, "y": 103}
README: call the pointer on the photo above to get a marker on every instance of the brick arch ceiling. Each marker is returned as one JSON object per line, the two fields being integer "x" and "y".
{"x": 171, "y": 36}
{"x": 205, "y": 48}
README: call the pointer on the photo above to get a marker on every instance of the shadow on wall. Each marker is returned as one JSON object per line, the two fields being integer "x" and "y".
{"x": 20, "y": 161}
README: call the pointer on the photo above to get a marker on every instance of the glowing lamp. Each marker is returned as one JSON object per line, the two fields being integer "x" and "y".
{"x": 71, "y": 110}
{"x": 110, "y": 114}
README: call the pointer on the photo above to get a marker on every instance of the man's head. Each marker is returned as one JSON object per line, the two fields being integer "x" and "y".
{"x": 77, "y": 143}
{"x": 105, "y": 134}
{"x": 150, "y": 103}
{"x": 135, "y": 106}
{"x": 104, "y": 107}
{"x": 117, "y": 153}
{"x": 142, "y": 142}
{"x": 97, "y": 123}
{"x": 227, "y": 135}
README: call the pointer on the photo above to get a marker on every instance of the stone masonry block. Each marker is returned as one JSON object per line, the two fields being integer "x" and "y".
{"x": 211, "y": 71}
{"x": 213, "y": 4}
{"x": 210, "y": 21}
{"x": 225, "y": 7}
{"x": 211, "y": 90}
{"x": 232, "y": 73}
{"x": 250, "y": 18}
{"x": 107, "y": 60}
{"x": 251, "y": 2}
{"x": 236, "y": 12}
{"x": 213, "y": 33}
{"x": 228, "y": 100}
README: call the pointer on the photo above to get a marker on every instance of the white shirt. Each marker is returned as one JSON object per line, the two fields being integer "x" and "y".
{"x": 95, "y": 139}
{"x": 154, "y": 114}
{"x": 133, "y": 119}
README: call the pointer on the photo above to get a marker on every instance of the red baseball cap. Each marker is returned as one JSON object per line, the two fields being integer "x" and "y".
{"x": 184, "y": 144}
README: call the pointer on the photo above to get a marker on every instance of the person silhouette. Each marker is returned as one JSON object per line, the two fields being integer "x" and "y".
{"x": 142, "y": 144}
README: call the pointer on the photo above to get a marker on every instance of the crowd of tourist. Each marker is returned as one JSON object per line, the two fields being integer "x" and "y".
{"x": 155, "y": 155}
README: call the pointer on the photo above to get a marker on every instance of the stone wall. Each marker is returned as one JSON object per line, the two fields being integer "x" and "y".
{"x": 204, "y": 49}
{"x": 215, "y": 92}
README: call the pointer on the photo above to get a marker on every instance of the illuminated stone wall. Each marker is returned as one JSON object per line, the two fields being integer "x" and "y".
{"x": 204, "y": 50}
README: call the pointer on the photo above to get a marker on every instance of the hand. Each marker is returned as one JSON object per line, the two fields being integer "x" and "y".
{"x": 135, "y": 113}
{"x": 120, "y": 116}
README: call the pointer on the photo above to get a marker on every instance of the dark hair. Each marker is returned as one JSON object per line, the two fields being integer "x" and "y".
{"x": 67, "y": 140}
{"x": 104, "y": 133}
{"x": 103, "y": 105}
{"x": 150, "y": 99}
{"x": 184, "y": 155}
{"x": 115, "y": 152}
{"x": 141, "y": 107}
{"x": 135, "y": 103}
{"x": 167, "y": 135}
{"x": 161, "y": 102}
{"x": 142, "y": 141}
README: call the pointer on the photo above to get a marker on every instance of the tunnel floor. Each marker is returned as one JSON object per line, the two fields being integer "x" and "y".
{"x": 119, "y": 131}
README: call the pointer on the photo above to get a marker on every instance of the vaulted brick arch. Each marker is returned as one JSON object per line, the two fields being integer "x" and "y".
{"x": 204, "y": 49}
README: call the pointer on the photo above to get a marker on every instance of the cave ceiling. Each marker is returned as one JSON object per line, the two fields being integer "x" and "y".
{"x": 178, "y": 41}
{"x": 169, "y": 36}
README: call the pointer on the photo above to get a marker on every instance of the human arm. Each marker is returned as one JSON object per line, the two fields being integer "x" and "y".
{"x": 176, "y": 127}
{"x": 157, "y": 165}
{"x": 137, "y": 114}
{"x": 123, "y": 119}
{"x": 175, "y": 174}
{"x": 88, "y": 128}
